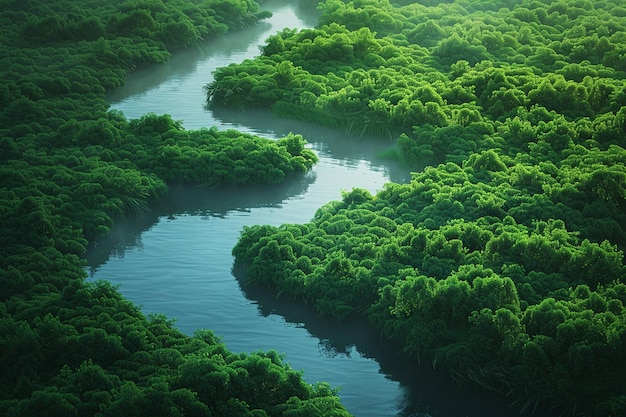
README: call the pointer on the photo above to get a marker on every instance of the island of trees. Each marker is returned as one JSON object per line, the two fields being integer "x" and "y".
{"x": 501, "y": 261}
{"x": 69, "y": 169}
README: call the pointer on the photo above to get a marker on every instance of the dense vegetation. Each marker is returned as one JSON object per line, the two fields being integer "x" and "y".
{"x": 69, "y": 168}
{"x": 502, "y": 260}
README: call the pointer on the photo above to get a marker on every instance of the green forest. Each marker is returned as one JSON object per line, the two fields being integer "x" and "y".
{"x": 69, "y": 169}
{"x": 502, "y": 260}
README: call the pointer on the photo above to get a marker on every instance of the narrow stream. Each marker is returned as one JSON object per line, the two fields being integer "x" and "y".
{"x": 177, "y": 260}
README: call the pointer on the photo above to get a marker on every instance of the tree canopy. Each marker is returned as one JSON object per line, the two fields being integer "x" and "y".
{"x": 502, "y": 260}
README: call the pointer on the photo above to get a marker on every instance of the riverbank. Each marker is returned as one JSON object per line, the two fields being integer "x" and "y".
{"x": 71, "y": 348}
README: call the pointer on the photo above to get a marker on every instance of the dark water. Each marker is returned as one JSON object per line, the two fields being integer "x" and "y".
{"x": 177, "y": 259}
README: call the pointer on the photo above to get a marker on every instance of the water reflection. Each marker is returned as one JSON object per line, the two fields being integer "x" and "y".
{"x": 343, "y": 147}
{"x": 304, "y": 9}
{"x": 422, "y": 391}
{"x": 184, "y": 64}
{"x": 218, "y": 202}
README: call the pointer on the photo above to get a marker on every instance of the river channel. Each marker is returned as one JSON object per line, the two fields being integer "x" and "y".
{"x": 177, "y": 259}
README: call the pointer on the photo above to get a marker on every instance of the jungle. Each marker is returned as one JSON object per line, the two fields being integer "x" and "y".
{"x": 501, "y": 261}
{"x": 70, "y": 169}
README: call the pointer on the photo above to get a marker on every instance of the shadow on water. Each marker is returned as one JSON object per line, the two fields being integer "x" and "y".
{"x": 341, "y": 146}
{"x": 306, "y": 10}
{"x": 216, "y": 202}
{"x": 239, "y": 44}
{"x": 427, "y": 392}
{"x": 184, "y": 63}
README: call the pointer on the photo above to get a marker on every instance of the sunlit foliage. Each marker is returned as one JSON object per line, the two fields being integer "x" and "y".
{"x": 502, "y": 260}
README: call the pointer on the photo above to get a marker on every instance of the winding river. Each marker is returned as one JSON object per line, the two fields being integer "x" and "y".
{"x": 177, "y": 260}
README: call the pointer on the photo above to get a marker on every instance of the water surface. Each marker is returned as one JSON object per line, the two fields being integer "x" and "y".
{"x": 177, "y": 259}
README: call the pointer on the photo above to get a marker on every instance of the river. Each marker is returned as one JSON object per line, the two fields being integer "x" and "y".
{"x": 177, "y": 260}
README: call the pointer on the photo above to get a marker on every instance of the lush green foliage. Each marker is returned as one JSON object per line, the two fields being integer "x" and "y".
{"x": 212, "y": 157}
{"x": 463, "y": 273}
{"x": 85, "y": 351}
{"x": 502, "y": 261}
{"x": 69, "y": 168}
{"x": 59, "y": 143}
{"x": 455, "y": 64}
